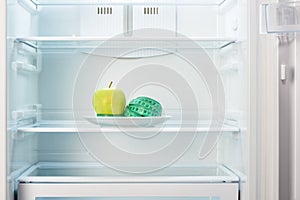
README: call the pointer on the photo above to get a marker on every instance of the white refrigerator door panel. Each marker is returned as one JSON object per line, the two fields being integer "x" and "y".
{"x": 2, "y": 100}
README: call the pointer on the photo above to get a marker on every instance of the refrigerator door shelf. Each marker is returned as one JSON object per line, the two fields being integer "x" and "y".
{"x": 279, "y": 18}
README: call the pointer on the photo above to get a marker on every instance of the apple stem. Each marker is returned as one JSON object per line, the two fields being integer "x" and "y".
{"x": 110, "y": 84}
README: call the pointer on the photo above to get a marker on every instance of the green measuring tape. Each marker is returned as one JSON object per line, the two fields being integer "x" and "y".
{"x": 143, "y": 107}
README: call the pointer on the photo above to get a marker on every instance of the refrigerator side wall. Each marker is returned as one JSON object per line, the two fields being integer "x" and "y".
{"x": 21, "y": 93}
{"x": 263, "y": 163}
{"x": 3, "y": 100}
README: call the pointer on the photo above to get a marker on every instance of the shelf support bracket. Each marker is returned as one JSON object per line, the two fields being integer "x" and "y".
{"x": 128, "y": 20}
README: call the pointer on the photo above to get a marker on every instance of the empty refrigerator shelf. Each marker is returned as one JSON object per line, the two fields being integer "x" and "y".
{"x": 72, "y": 127}
{"x": 90, "y": 43}
{"x": 282, "y": 17}
{"x": 97, "y": 173}
{"x": 64, "y": 180}
{"x": 126, "y": 2}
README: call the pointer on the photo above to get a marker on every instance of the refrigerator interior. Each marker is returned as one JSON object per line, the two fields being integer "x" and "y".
{"x": 50, "y": 43}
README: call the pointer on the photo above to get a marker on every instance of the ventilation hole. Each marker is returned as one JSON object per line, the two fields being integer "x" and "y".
{"x": 150, "y": 10}
{"x": 104, "y": 10}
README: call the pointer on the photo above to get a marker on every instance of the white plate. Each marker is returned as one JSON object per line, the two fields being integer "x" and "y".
{"x": 127, "y": 121}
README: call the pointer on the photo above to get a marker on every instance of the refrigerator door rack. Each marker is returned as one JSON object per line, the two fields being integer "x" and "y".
{"x": 95, "y": 180}
{"x": 280, "y": 18}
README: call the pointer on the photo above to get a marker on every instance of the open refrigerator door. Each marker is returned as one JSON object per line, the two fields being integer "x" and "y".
{"x": 285, "y": 26}
{"x": 280, "y": 22}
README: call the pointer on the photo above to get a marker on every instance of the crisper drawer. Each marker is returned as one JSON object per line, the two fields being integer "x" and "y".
{"x": 65, "y": 181}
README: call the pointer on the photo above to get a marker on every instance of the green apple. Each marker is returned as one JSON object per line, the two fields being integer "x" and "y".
{"x": 109, "y": 101}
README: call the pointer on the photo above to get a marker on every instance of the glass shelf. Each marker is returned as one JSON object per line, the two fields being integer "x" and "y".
{"x": 91, "y": 43}
{"x": 280, "y": 17}
{"x": 169, "y": 127}
{"x": 97, "y": 173}
{"x": 127, "y": 2}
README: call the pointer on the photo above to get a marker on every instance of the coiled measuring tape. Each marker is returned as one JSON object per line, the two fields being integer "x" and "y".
{"x": 143, "y": 107}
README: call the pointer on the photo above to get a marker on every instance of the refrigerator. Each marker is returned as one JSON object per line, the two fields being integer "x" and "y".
{"x": 149, "y": 99}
